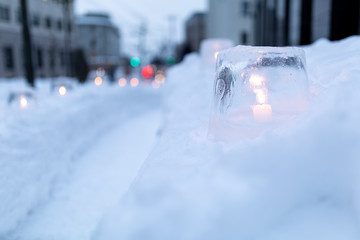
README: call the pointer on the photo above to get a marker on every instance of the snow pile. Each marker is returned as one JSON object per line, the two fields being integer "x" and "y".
{"x": 38, "y": 145}
{"x": 210, "y": 49}
{"x": 297, "y": 182}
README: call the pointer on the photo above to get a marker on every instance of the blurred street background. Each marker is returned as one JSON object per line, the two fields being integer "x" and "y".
{"x": 106, "y": 109}
{"x": 74, "y": 38}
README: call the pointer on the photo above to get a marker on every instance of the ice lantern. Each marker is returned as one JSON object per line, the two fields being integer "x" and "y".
{"x": 210, "y": 48}
{"x": 256, "y": 88}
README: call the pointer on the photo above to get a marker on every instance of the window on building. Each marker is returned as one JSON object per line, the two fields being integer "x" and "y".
{"x": 245, "y": 8}
{"x": 48, "y": 22}
{"x": 8, "y": 58}
{"x": 62, "y": 58}
{"x": 244, "y": 38}
{"x": 23, "y": 55}
{"x": 69, "y": 27}
{"x": 19, "y": 16}
{"x": 35, "y": 20}
{"x": 40, "y": 61}
{"x": 4, "y": 14}
{"x": 52, "y": 58}
{"x": 59, "y": 25}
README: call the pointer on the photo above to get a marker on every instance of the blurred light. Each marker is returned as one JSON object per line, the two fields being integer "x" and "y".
{"x": 147, "y": 72}
{"x": 256, "y": 80}
{"x": 160, "y": 77}
{"x": 170, "y": 60}
{"x": 261, "y": 95}
{"x": 98, "y": 81}
{"x": 135, "y": 61}
{"x": 134, "y": 82}
{"x": 215, "y": 55}
{"x": 122, "y": 82}
{"x": 100, "y": 72}
{"x": 155, "y": 84}
{"x": 62, "y": 91}
{"x": 23, "y": 102}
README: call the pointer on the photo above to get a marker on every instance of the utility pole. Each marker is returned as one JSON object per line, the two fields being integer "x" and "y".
{"x": 142, "y": 41}
{"x": 67, "y": 36}
{"x": 29, "y": 68}
{"x": 275, "y": 20}
{"x": 287, "y": 23}
{"x": 172, "y": 33}
{"x": 306, "y": 22}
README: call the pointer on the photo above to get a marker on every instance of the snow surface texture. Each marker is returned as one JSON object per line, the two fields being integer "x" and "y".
{"x": 100, "y": 178}
{"x": 39, "y": 148}
{"x": 297, "y": 182}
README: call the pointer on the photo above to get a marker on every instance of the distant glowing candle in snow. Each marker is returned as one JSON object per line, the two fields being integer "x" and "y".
{"x": 134, "y": 82}
{"x": 62, "y": 91}
{"x": 23, "y": 102}
{"x": 122, "y": 82}
{"x": 98, "y": 81}
{"x": 262, "y": 112}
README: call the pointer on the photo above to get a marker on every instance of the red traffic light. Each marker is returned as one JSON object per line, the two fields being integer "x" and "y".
{"x": 147, "y": 72}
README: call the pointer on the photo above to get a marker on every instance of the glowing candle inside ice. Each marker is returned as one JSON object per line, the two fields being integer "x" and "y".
{"x": 262, "y": 112}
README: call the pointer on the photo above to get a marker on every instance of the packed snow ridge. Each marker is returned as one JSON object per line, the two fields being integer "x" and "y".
{"x": 300, "y": 181}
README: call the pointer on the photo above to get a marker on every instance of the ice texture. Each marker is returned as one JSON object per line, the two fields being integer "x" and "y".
{"x": 258, "y": 83}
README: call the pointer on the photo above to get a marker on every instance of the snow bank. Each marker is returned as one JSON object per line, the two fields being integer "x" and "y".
{"x": 38, "y": 145}
{"x": 298, "y": 182}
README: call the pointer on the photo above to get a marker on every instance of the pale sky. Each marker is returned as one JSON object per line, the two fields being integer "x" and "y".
{"x": 129, "y": 15}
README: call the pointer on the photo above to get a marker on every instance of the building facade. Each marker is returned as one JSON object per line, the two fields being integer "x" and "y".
{"x": 100, "y": 40}
{"x": 52, "y": 32}
{"x": 282, "y": 22}
{"x": 232, "y": 19}
{"x": 195, "y": 31}
{"x": 301, "y": 22}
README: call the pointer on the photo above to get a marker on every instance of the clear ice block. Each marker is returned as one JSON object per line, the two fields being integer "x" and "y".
{"x": 257, "y": 87}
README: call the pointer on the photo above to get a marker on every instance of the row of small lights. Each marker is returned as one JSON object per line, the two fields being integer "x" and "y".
{"x": 159, "y": 78}
{"x": 134, "y": 82}
{"x": 24, "y": 103}
{"x": 98, "y": 81}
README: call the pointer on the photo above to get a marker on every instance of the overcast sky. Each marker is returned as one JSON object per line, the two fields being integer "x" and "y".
{"x": 129, "y": 15}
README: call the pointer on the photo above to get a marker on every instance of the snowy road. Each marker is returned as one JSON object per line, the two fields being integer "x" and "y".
{"x": 100, "y": 178}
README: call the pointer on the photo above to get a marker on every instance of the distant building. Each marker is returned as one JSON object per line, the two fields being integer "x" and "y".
{"x": 282, "y": 22}
{"x": 195, "y": 31}
{"x": 100, "y": 40}
{"x": 52, "y": 32}
{"x": 300, "y": 22}
{"x": 232, "y": 19}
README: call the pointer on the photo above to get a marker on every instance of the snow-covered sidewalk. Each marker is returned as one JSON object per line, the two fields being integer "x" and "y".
{"x": 100, "y": 179}
{"x": 299, "y": 181}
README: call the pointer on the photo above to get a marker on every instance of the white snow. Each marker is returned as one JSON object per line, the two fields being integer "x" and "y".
{"x": 100, "y": 179}
{"x": 300, "y": 181}
{"x": 42, "y": 149}
{"x": 63, "y": 178}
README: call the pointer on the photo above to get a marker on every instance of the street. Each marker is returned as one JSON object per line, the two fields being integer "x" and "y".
{"x": 99, "y": 180}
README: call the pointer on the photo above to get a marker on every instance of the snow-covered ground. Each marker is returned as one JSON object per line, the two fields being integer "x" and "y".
{"x": 99, "y": 180}
{"x": 297, "y": 182}
{"x": 84, "y": 167}
{"x": 66, "y": 159}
